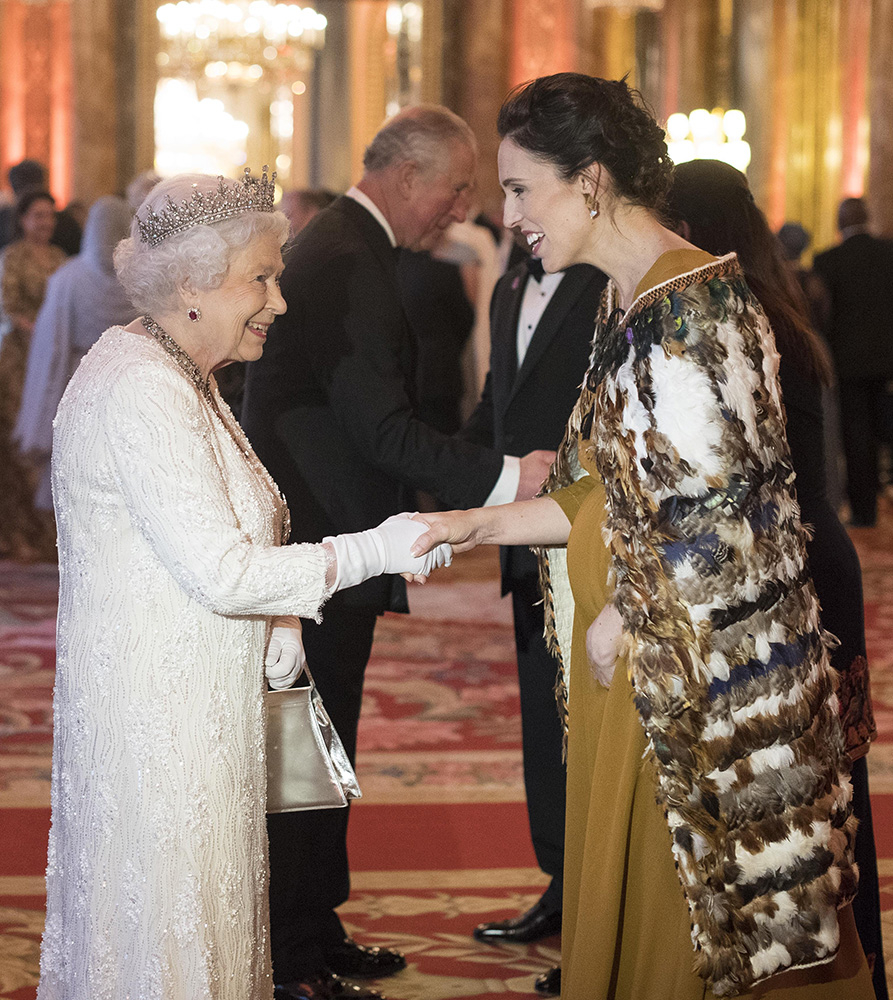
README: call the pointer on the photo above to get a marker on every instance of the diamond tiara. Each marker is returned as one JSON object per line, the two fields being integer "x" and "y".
{"x": 226, "y": 202}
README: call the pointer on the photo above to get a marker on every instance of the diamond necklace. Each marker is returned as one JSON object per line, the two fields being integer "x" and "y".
{"x": 183, "y": 360}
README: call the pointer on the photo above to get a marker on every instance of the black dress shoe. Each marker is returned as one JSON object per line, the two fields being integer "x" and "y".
{"x": 360, "y": 961}
{"x": 537, "y": 922}
{"x": 324, "y": 986}
{"x": 549, "y": 983}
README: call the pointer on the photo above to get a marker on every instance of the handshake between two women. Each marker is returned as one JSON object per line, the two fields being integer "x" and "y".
{"x": 353, "y": 558}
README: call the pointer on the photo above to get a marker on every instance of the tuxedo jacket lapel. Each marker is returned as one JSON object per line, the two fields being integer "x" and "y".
{"x": 504, "y": 362}
{"x": 566, "y": 294}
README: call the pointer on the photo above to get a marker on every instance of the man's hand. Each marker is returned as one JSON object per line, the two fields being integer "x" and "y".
{"x": 603, "y": 643}
{"x": 535, "y": 467}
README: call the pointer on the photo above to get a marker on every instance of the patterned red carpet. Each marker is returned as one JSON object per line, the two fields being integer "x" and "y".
{"x": 439, "y": 842}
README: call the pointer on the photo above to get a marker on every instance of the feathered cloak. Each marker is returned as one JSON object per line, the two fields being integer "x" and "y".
{"x": 682, "y": 413}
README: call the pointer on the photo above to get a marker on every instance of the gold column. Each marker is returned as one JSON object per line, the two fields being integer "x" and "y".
{"x": 432, "y": 51}
{"x": 35, "y": 88}
{"x": 814, "y": 147}
{"x": 755, "y": 90}
{"x": 60, "y": 84}
{"x": 482, "y": 84}
{"x": 368, "y": 35}
{"x": 855, "y": 37}
{"x": 698, "y": 22}
{"x": 781, "y": 86}
{"x": 545, "y": 37}
{"x": 12, "y": 83}
{"x": 145, "y": 71}
{"x": 95, "y": 109}
{"x": 612, "y": 50}
{"x": 880, "y": 175}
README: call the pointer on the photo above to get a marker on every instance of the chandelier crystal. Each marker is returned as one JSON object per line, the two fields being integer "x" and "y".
{"x": 241, "y": 41}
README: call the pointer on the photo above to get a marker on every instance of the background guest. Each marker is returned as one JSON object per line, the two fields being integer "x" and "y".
{"x": 794, "y": 241}
{"x": 473, "y": 248}
{"x": 31, "y": 174}
{"x": 301, "y": 205}
{"x": 27, "y": 264}
{"x": 140, "y": 186}
{"x": 541, "y": 329}
{"x": 711, "y": 203}
{"x": 22, "y": 177}
{"x": 83, "y": 298}
{"x": 860, "y": 334}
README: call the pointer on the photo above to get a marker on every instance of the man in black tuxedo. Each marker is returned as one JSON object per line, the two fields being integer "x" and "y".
{"x": 541, "y": 328}
{"x": 860, "y": 335}
{"x": 330, "y": 411}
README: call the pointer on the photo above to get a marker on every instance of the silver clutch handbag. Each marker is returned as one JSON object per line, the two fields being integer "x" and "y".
{"x": 307, "y": 767}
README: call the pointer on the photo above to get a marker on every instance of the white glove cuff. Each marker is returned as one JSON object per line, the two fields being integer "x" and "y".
{"x": 358, "y": 557}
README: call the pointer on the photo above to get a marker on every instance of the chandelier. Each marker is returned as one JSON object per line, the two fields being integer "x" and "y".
{"x": 239, "y": 41}
{"x": 709, "y": 135}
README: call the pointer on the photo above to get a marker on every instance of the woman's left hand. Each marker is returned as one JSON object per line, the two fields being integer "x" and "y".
{"x": 285, "y": 655}
{"x": 603, "y": 644}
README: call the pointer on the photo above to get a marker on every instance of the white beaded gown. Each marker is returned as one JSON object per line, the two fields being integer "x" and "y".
{"x": 169, "y": 571}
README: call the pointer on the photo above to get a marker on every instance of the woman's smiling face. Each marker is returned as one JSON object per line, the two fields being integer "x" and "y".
{"x": 549, "y": 211}
{"x": 238, "y": 314}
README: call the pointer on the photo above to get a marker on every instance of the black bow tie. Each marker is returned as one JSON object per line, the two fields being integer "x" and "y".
{"x": 535, "y": 268}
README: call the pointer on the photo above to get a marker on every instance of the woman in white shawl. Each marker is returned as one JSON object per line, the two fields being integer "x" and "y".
{"x": 83, "y": 298}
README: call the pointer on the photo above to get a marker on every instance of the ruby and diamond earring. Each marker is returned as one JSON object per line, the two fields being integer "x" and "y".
{"x": 195, "y": 314}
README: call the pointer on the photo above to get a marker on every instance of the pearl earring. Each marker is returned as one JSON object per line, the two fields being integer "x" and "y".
{"x": 195, "y": 314}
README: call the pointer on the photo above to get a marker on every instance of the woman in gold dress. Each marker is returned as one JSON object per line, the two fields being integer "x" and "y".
{"x": 709, "y": 833}
{"x": 28, "y": 262}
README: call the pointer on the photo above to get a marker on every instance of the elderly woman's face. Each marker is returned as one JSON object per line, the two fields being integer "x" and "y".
{"x": 239, "y": 312}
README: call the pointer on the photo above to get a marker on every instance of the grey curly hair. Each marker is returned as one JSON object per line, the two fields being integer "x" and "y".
{"x": 201, "y": 256}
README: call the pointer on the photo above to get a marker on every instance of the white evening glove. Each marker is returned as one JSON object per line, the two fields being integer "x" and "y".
{"x": 285, "y": 658}
{"x": 385, "y": 549}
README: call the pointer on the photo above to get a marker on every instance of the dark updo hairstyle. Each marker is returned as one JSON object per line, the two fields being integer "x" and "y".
{"x": 715, "y": 201}
{"x": 25, "y": 200}
{"x": 572, "y": 120}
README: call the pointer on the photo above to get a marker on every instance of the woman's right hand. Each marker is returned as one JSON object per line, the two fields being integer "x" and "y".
{"x": 603, "y": 644}
{"x": 389, "y": 548}
{"x": 461, "y": 529}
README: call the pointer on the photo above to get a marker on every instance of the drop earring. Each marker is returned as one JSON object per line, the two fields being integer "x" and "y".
{"x": 194, "y": 313}
{"x": 593, "y": 206}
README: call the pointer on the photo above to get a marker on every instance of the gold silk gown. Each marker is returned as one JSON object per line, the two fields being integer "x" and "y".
{"x": 25, "y": 533}
{"x": 625, "y": 927}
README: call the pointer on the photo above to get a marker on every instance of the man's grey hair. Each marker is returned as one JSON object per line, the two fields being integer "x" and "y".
{"x": 419, "y": 134}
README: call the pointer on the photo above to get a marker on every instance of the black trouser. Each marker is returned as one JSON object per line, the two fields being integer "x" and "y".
{"x": 867, "y": 905}
{"x": 545, "y": 777}
{"x": 309, "y": 873}
{"x": 864, "y": 423}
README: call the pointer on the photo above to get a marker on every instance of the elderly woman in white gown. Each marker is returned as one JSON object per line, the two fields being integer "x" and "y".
{"x": 173, "y": 578}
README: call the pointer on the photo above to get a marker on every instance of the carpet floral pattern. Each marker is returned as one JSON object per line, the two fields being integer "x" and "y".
{"x": 439, "y": 841}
